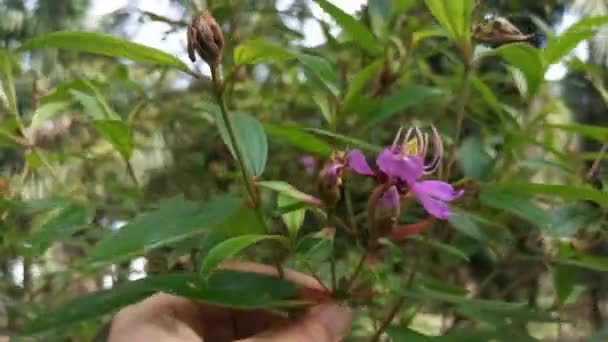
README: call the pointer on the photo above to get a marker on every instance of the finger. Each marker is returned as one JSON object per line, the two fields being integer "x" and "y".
{"x": 161, "y": 317}
{"x": 328, "y": 322}
{"x": 297, "y": 278}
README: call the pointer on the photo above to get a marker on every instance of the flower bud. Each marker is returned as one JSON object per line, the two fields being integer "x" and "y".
{"x": 387, "y": 212}
{"x": 206, "y": 39}
{"x": 330, "y": 179}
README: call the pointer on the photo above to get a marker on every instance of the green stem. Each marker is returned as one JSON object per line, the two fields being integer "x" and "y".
{"x": 332, "y": 261}
{"x": 462, "y": 106}
{"x": 351, "y": 282}
{"x": 245, "y": 173}
{"x": 398, "y": 303}
{"x": 131, "y": 172}
{"x": 238, "y": 151}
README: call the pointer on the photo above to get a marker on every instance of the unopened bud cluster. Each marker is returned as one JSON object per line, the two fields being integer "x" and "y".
{"x": 206, "y": 39}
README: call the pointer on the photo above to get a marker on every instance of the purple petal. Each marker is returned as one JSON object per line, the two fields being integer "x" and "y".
{"x": 439, "y": 190}
{"x": 390, "y": 199}
{"x": 331, "y": 173}
{"x": 309, "y": 163}
{"x": 433, "y": 195}
{"x": 357, "y": 162}
{"x": 435, "y": 207}
{"x": 397, "y": 165}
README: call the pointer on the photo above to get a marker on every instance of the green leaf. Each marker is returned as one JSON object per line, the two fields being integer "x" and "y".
{"x": 448, "y": 249}
{"x": 290, "y": 191}
{"x": 63, "y": 224}
{"x": 92, "y": 108}
{"x": 294, "y": 219}
{"x": 322, "y": 70}
{"x": 560, "y": 46}
{"x": 567, "y": 220}
{"x": 354, "y": 29}
{"x": 381, "y": 14}
{"x": 455, "y": 16}
{"x": 518, "y": 205}
{"x": 175, "y": 220}
{"x": 243, "y": 221}
{"x": 403, "y": 334}
{"x": 116, "y": 133}
{"x": 325, "y": 107}
{"x": 505, "y": 310}
{"x": 298, "y": 138}
{"x": 252, "y": 139}
{"x": 554, "y": 190}
{"x": 490, "y": 305}
{"x": 103, "y": 44}
{"x": 47, "y": 112}
{"x": 406, "y": 98}
{"x": 420, "y": 36}
{"x": 358, "y": 82}
{"x": 600, "y": 336}
{"x": 348, "y": 141}
{"x": 101, "y": 100}
{"x": 9, "y": 94}
{"x": 225, "y": 288}
{"x": 528, "y": 60}
{"x": 229, "y": 248}
{"x": 564, "y": 279}
{"x": 260, "y": 51}
{"x": 475, "y": 162}
{"x": 569, "y": 256}
{"x": 467, "y": 225}
{"x": 598, "y": 133}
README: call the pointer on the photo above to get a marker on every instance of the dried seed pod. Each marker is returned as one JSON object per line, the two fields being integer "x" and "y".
{"x": 206, "y": 39}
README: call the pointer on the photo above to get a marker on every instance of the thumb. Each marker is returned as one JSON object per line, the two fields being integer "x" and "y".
{"x": 328, "y": 322}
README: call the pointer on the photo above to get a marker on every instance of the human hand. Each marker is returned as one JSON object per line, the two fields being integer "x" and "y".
{"x": 167, "y": 318}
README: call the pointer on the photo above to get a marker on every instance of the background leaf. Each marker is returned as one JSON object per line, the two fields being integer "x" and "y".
{"x": 528, "y": 60}
{"x": 298, "y": 138}
{"x": 175, "y": 220}
{"x": 454, "y": 15}
{"x": 290, "y": 191}
{"x": 560, "y": 46}
{"x": 103, "y": 44}
{"x": 404, "y": 99}
{"x": 353, "y": 28}
{"x": 116, "y": 133}
{"x": 358, "y": 82}
{"x": 61, "y": 226}
{"x": 518, "y": 205}
{"x": 259, "y": 51}
{"x": 474, "y": 161}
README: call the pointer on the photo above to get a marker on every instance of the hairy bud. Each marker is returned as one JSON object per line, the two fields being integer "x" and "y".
{"x": 206, "y": 39}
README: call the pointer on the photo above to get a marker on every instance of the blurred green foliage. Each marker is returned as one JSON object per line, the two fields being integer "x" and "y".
{"x": 112, "y": 151}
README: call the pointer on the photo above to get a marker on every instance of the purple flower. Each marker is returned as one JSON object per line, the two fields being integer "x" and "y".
{"x": 433, "y": 195}
{"x": 309, "y": 163}
{"x": 332, "y": 173}
{"x": 403, "y": 165}
{"x": 390, "y": 199}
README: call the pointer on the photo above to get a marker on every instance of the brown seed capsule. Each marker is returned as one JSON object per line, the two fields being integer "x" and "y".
{"x": 206, "y": 39}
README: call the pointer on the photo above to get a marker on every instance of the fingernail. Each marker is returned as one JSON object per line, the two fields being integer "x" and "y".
{"x": 335, "y": 318}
